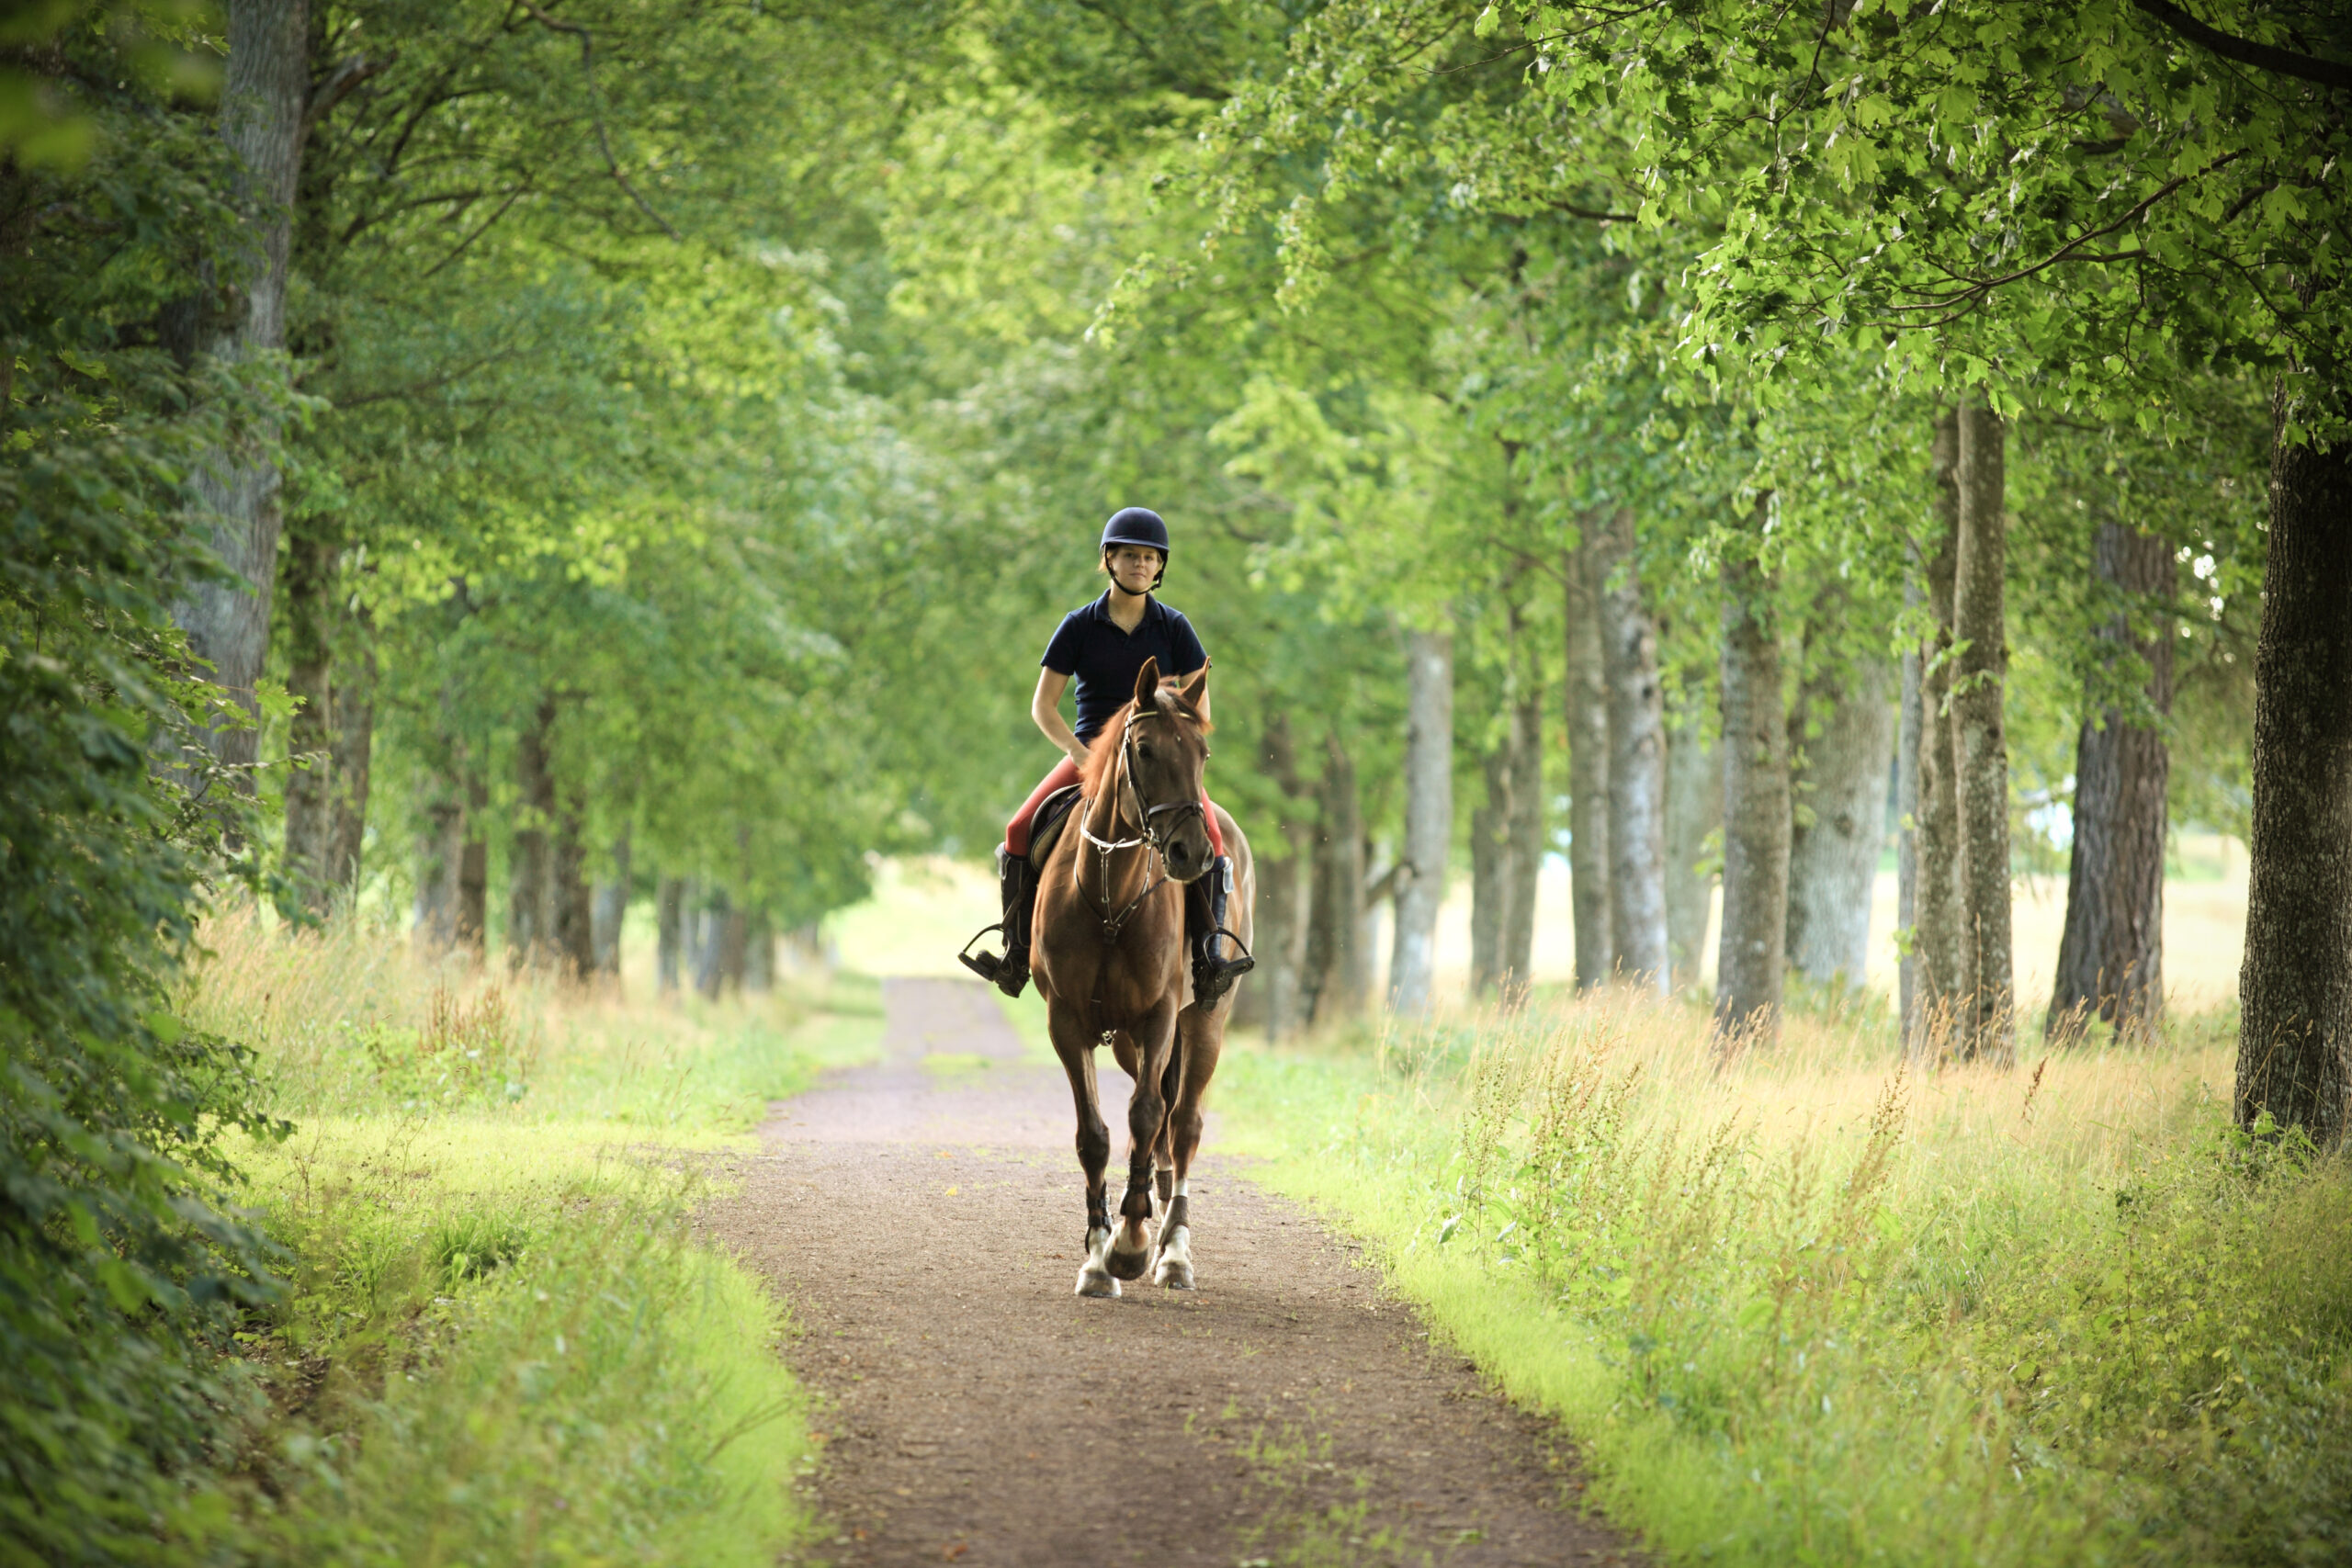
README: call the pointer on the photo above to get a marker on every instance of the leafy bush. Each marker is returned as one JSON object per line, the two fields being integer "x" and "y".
{"x": 121, "y": 1271}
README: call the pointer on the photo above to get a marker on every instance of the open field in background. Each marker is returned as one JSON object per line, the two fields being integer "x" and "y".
{"x": 501, "y": 1342}
{"x": 924, "y": 908}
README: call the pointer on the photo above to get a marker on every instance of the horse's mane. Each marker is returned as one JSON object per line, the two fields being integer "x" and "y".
{"x": 1102, "y": 751}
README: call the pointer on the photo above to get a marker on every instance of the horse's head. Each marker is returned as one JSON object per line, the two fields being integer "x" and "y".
{"x": 1167, "y": 747}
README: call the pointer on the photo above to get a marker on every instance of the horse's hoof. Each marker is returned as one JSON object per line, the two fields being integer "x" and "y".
{"x": 1127, "y": 1265}
{"x": 1173, "y": 1274}
{"x": 1094, "y": 1282}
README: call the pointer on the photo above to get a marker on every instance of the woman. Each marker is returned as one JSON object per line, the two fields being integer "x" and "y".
{"x": 1103, "y": 645}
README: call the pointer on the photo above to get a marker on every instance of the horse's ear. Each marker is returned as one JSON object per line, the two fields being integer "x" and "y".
{"x": 1148, "y": 684}
{"x": 1196, "y": 693}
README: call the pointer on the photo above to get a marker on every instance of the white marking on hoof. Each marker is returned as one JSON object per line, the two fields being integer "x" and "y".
{"x": 1175, "y": 1270}
{"x": 1093, "y": 1278}
{"x": 1130, "y": 1254}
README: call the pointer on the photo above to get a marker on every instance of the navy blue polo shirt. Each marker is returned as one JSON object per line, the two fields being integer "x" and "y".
{"x": 1106, "y": 660}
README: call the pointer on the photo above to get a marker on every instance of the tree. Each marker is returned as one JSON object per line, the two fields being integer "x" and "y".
{"x": 1749, "y": 962}
{"x": 266, "y": 107}
{"x": 1428, "y": 816}
{"x": 2111, "y": 960}
{"x": 1637, "y": 762}
{"x": 1981, "y": 755}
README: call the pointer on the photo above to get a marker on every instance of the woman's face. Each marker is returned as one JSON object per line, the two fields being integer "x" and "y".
{"x": 1135, "y": 567}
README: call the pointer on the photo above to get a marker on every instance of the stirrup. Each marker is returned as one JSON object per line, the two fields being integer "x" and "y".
{"x": 1211, "y": 975}
{"x": 995, "y": 968}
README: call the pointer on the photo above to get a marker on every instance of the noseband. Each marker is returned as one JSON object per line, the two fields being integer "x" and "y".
{"x": 1155, "y": 831}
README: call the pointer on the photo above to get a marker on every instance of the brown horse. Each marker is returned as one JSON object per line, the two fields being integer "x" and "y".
{"x": 1110, "y": 961}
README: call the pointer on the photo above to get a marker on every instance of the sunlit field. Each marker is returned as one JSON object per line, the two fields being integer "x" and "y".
{"x": 501, "y": 1339}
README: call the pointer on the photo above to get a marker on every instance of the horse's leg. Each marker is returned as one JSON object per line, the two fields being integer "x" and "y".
{"x": 1154, "y": 1038}
{"x": 1200, "y": 1041}
{"x": 1164, "y": 1153}
{"x": 1077, "y": 1054}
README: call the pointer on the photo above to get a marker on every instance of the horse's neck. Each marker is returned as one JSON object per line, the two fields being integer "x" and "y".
{"x": 1103, "y": 820}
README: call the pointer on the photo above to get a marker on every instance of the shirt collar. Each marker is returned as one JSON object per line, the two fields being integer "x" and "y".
{"x": 1152, "y": 609}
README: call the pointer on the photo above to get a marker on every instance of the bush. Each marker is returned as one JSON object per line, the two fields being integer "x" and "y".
{"x": 120, "y": 1269}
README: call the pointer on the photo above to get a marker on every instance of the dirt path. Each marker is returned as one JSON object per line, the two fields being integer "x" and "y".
{"x": 923, "y": 1217}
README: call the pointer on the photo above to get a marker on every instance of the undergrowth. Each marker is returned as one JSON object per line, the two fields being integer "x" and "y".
{"x": 1813, "y": 1306}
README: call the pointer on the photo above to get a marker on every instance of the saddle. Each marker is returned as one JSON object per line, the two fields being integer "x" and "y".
{"x": 1045, "y": 827}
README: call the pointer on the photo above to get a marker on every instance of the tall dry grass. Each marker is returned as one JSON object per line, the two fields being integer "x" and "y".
{"x": 1812, "y": 1302}
{"x": 498, "y": 1338}
{"x": 347, "y": 1020}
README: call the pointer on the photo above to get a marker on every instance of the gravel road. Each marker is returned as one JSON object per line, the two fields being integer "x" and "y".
{"x": 923, "y": 1217}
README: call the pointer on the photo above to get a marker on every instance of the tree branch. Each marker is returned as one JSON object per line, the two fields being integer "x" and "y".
{"x": 1979, "y": 287}
{"x": 596, "y": 110}
{"x": 2245, "y": 51}
{"x": 339, "y": 84}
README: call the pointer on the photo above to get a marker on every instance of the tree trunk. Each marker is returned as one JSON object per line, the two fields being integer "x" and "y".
{"x": 572, "y": 899}
{"x": 263, "y": 92}
{"x": 1756, "y": 810}
{"x": 1429, "y": 818}
{"x": 473, "y": 872}
{"x": 758, "y": 954}
{"x": 670, "y": 923}
{"x": 1694, "y": 811}
{"x": 1838, "y": 829}
{"x": 1507, "y": 836}
{"x": 309, "y": 679}
{"x": 1280, "y": 1003}
{"x": 2111, "y": 960}
{"x": 1906, "y": 834}
{"x": 1524, "y": 830}
{"x": 441, "y": 850}
{"x": 530, "y": 901}
{"x": 1586, "y": 713}
{"x": 611, "y": 908}
{"x": 1489, "y": 872}
{"x": 710, "y": 945}
{"x": 1979, "y": 739}
{"x": 1940, "y": 936}
{"x": 354, "y": 748}
{"x": 2295, "y": 990}
{"x": 1636, "y": 764}
{"x": 1338, "y": 960}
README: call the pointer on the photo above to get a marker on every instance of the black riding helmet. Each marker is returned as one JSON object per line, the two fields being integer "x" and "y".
{"x": 1139, "y": 526}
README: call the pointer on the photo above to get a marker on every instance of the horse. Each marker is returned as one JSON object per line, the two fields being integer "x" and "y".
{"x": 1109, "y": 956}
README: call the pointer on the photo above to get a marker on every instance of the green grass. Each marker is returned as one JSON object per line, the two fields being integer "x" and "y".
{"x": 500, "y": 1345}
{"x": 498, "y": 1342}
{"x": 1810, "y": 1308}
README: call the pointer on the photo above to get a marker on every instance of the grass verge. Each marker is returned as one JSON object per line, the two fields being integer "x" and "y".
{"x": 1808, "y": 1307}
{"x": 499, "y": 1341}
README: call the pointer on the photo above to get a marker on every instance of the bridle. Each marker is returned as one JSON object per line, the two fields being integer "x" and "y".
{"x": 1154, "y": 832}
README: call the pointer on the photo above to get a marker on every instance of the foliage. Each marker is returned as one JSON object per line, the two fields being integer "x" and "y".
{"x": 120, "y": 1268}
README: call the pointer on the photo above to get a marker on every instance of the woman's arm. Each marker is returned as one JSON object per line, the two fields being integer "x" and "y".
{"x": 1045, "y": 708}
